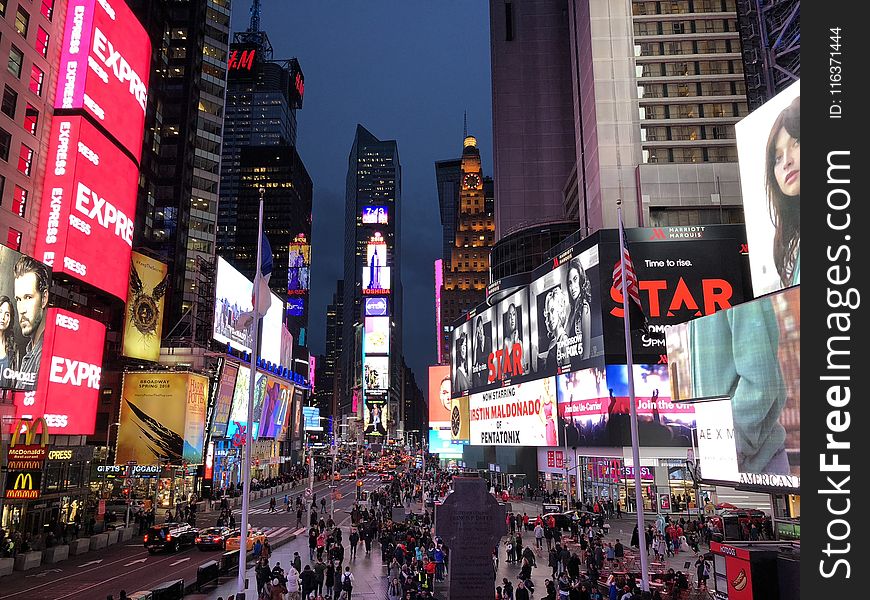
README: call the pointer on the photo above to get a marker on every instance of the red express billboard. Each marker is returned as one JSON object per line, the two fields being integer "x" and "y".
{"x": 104, "y": 68}
{"x": 68, "y": 386}
{"x": 88, "y": 206}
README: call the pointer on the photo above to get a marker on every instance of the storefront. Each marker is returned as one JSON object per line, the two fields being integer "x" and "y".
{"x": 63, "y": 494}
{"x": 166, "y": 486}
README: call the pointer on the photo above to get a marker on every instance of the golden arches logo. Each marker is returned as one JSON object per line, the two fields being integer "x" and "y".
{"x": 29, "y": 429}
{"x": 24, "y": 481}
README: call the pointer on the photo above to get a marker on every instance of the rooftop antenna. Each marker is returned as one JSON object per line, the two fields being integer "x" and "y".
{"x": 255, "y": 16}
{"x": 465, "y": 125}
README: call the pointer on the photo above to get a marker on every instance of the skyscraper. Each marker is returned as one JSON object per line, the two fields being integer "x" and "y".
{"x": 470, "y": 233}
{"x": 372, "y": 249}
{"x": 330, "y": 383}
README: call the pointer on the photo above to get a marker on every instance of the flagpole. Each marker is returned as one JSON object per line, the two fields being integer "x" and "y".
{"x": 246, "y": 463}
{"x": 635, "y": 445}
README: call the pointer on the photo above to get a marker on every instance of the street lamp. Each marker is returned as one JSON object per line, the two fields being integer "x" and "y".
{"x": 108, "y": 452}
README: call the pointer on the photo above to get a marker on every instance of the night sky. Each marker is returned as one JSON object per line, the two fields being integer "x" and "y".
{"x": 406, "y": 71}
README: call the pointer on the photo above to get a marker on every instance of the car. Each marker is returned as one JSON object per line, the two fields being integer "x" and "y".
{"x": 233, "y": 542}
{"x": 170, "y": 537}
{"x": 361, "y": 470}
{"x": 563, "y": 520}
{"x": 391, "y": 466}
{"x": 351, "y": 475}
{"x": 214, "y": 538}
{"x": 337, "y": 477}
{"x": 385, "y": 477}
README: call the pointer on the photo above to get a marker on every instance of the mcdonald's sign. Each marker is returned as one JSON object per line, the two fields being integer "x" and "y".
{"x": 23, "y": 485}
{"x": 30, "y": 430}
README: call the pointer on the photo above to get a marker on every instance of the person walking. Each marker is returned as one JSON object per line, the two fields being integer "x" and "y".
{"x": 354, "y": 542}
{"x": 539, "y": 536}
{"x": 272, "y": 504}
{"x": 347, "y": 582}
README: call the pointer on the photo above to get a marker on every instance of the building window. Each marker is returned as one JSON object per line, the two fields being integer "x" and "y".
{"x": 25, "y": 160}
{"x": 16, "y": 61}
{"x": 47, "y": 9}
{"x": 22, "y": 21}
{"x": 10, "y": 102}
{"x": 42, "y": 38}
{"x": 36, "y": 79}
{"x": 31, "y": 119}
{"x": 2, "y": 186}
{"x": 508, "y": 21}
{"x": 5, "y": 144}
{"x": 13, "y": 239}
{"x": 19, "y": 201}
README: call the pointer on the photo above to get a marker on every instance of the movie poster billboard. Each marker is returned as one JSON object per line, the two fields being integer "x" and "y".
{"x": 564, "y": 314}
{"x": 233, "y": 293}
{"x": 511, "y": 354}
{"x": 238, "y": 421}
{"x": 377, "y": 335}
{"x": 484, "y": 331}
{"x": 299, "y": 266}
{"x": 524, "y": 414}
{"x": 683, "y": 273}
{"x": 439, "y": 394}
{"x": 275, "y": 409}
{"x": 24, "y": 297}
{"x": 224, "y": 399}
{"x": 143, "y": 322}
{"x": 162, "y": 418}
{"x": 460, "y": 356}
{"x": 769, "y": 151}
{"x": 749, "y": 355}
{"x": 375, "y": 416}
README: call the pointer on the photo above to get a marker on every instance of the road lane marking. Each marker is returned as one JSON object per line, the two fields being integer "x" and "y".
{"x": 141, "y": 560}
{"x": 178, "y": 562}
{"x": 93, "y": 562}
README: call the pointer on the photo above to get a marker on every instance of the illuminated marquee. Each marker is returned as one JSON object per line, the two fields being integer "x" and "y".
{"x": 88, "y": 206}
{"x": 104, "y": 68}
{"x": 242, "y": 60}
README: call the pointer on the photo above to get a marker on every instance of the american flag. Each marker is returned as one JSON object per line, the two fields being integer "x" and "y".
{"x": 637, "y": 318}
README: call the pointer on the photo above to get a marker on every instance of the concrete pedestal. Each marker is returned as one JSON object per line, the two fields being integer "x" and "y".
{"x": 79, "y": 546}
{"x": 112, "y": 537}
{"x": 99, "y": 541}
{"x": 6, "y": 566}
{"x": 25, "y": 561}
{"x": 55, "y": 554}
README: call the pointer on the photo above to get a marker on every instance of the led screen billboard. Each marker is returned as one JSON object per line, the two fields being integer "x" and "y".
{"x": 104, "y": 68}
{"x": 68, "y": 385}
{"x": 769, "y": 152}
{"x": 162, "y": 417}
{"x": 749, "y": 354}
{"x": 483, "y": 333}
{"x": 459, "y": 429}
{"x": 460, "y": 358}
{"x": 238, "y": 421}
{"x": 143, "y": 323}
{"x": 378, "y": 215}
{"x": 439, "y": 394}
{"x": 524, "y": 414}
{"x": 295, "y": 306}
{"x": 275, "y": 409}
{"x": 88, "y": 206}
{"x": 376, "y": 374}
{"x": 377, "y": 335}
{"x": 564, "y": 314}
{"x": 440, "y": 444}
{"x": 311, "y": 418}
{"x": 299, "y": 266}
{"x": 24, "y": 295}
{"x": 376, "y": 273}
{"x": 375, "y": 416}
{"x": 224, "y": 399}
{"x": 233, "y": 297}
{"x": 376, "y": 307}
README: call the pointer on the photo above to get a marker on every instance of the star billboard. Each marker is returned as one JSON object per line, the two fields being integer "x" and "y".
{"x": 104, "y": 68}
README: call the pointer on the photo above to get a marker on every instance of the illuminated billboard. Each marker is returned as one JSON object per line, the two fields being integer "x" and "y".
{"x": 24, "y": 296}
{"x": 238, "y": 421}
{"x": 104, "y": 68}
{"x": 295, "y": 306}
{"x": 439, "y": 394}
{"x": 143, "y": 323}
{"x": 376, "y": 371}
{"x": 748, "y": 355}
{"x": 299, "y": 266}
{"x": 376, "y": 307}
{"x": 376, "y": 215}
{"x": 224, "y": 399}
{"x": 311, "y": 418}
{"x": 459, "y": 429}
{"x": 162, "y": 417}
{"x": 88, "y": 206}
{"x": 377, "y": 335}
{"x": 275, "y": 408}
{"x": 375, "y": 416}
{"x": 524, "y": 414}
{"x": 376, "y": 273}
{"x": 68, "y": 385}
{"x": 769, "y": 151}
{"x": 233, "y": 297}
{"x": 441, "y": 444}
{"x": 483, "y": 334}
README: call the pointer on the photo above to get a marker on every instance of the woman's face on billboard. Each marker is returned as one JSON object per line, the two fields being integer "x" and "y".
{"x": 444, "y": 394}
{"x": 787, "y": 167}
{"x": 5, "y": 316}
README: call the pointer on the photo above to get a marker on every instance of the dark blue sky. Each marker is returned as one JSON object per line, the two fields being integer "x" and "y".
{"x": 406, "y": 71}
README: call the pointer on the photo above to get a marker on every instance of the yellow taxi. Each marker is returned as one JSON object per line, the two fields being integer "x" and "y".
{"x": 233, "y": 542}
{"x": 337, "y": 476}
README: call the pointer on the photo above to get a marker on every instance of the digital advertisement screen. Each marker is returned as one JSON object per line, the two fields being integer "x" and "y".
{"x": 769, "y": 151}
{"x": 376, "y": 307}
{"x": 524, "y": 414}
{"x": 376, "y": 373}
{"x": 68, "y": 385}
{"x": 749, "y": 354}
{"x": 276, "y": 408}
{"x": 512, "y": 354}
{"x": 88, "y": 206}
{"x": 162, "y": 417}
{"x": 21, "y": 321}
{"x": 299, "y": 266}
{"x": 375, "y": 416}
{"x": 483, "y": 331}
{"x": 224, "y": 399}
{"x": 104, "y": 68}
{"x": 375, "y": 215}
{"x": 311, "y": 418}
{"x": 460, "y": 357}
{"x": 440, "y": 444}
{"x": 564, "y": 315}
{"x": 459, "y": 417}
{"x": 295, "y": 306}
{"x": 233, "y": 297}
{"x": 376, "y": 273}
{"x": 681, "y": 275}
{"x": 238, "y": 422}
{"x": 143, "y": 323}
{"x": 439, "y": 394}
{"x": 377, "y": 335}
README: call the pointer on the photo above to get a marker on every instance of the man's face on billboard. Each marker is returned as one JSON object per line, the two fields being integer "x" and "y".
{"x": 30, "y": 303}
